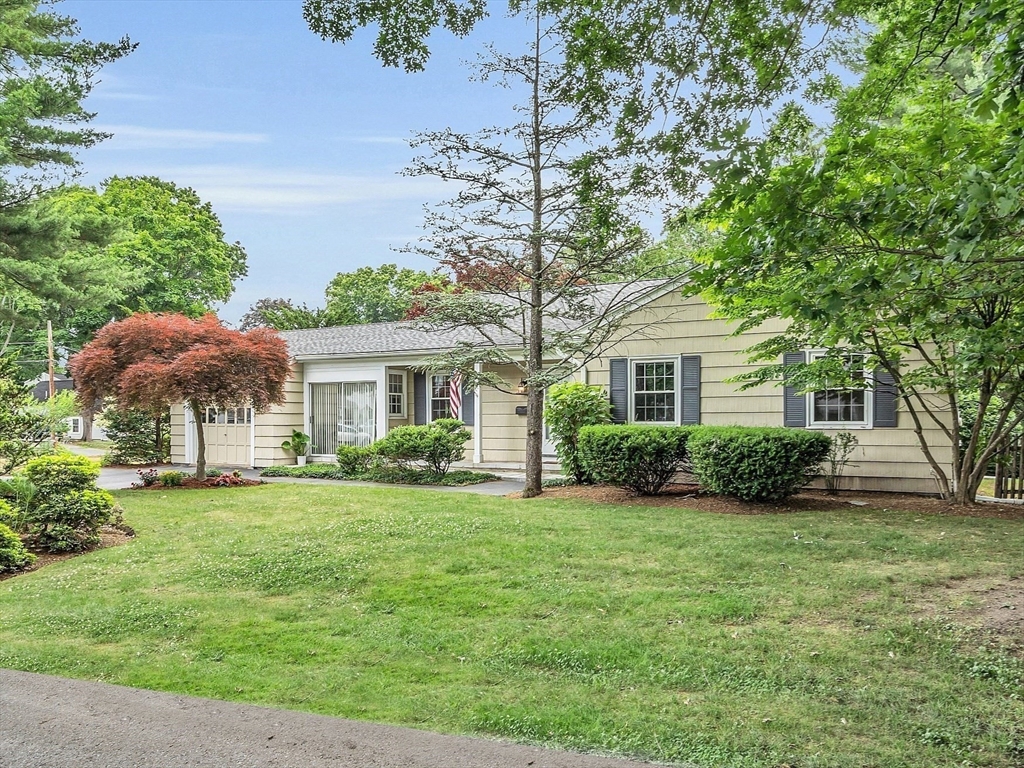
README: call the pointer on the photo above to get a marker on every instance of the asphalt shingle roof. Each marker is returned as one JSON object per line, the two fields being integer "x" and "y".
{"x": 412, "y": 336}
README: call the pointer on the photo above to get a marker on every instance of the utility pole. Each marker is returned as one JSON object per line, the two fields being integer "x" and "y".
{"x": 49, "y": 356}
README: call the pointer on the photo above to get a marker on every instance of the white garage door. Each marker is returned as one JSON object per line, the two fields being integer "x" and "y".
{"x": 228, "y": 436}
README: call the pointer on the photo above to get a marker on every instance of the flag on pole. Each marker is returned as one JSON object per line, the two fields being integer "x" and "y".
{"x": 455, "y": 394}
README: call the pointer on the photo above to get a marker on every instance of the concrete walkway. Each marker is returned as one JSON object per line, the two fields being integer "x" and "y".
{"x": 52, "y": 722}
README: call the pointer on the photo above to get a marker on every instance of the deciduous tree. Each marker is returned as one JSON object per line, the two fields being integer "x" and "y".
{"x": 542, "y": 216}
{"x": 370, "y": 295}
{"x": 898, "y": 236}
{"x": 153, "y": 361}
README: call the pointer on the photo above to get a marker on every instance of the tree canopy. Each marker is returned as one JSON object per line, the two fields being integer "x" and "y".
{"x": 51, "y": 258}
{"x": 370, "y": 295}
{"x": 151, "y": 362}
{"x": 898, "y": 235}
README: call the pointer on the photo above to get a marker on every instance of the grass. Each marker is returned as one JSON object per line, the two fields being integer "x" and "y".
{"x": 100, "y": 445}
{"x": 662, "y": 633}
{"x": 390, "y": 475}
{"x": 987, "y": 487}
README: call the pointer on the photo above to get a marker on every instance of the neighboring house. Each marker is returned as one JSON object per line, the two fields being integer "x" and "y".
{"x": 352, "y": 384}
{"x": 76, "y": 424}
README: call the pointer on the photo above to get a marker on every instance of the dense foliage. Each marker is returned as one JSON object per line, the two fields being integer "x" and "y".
{"x": 568, "y": 408}
{"x": 896, "y": 232}
{"x": 26, "y": 423}
{"x": 13, "y": 555}
{"x": 150, "y": 362}
{"x": 67, "y": 509}
{"x": 370, "y": 295}
{"x": 435, "y": 445}
{"x": 51, "y": 261}
{"x": 136, "y": 436}
{"x": 641, "y": 458}
{"x": 380, "y": 473}
{"x": 756, "y": 463}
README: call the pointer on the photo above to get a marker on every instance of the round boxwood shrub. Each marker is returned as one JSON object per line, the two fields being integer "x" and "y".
{"x": 756, "y": 463}
{"x": 640, "y": 458}
{"x": 13, "y": 555}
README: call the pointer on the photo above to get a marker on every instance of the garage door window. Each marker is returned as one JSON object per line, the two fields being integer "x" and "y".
{"x": 214, "y": 415}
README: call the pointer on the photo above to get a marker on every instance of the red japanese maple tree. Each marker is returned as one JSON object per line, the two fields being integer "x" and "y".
{"x": 151, "y": 361}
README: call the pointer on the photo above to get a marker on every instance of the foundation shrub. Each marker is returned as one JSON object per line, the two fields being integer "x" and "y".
{"x": 435, "y": 445}
{"x": 642, "y": 459}
{"x": 756, "y": 464}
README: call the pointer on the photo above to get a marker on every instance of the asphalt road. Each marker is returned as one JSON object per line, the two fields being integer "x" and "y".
{"x": 52, "y": 722}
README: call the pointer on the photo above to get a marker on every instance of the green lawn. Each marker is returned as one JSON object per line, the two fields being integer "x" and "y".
{"x": 679, "y": 636}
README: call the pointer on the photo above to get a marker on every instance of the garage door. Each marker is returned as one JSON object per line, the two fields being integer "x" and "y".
{"x": 228, "y": 436}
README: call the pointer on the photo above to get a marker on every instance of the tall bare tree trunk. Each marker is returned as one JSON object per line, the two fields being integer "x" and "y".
{"x": 200, "y": 442}
{"x": 535, "y": 357}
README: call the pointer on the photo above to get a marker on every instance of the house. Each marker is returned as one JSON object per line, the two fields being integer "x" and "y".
{"x": 668, "y": 364}
{"x": 76, "y": 424}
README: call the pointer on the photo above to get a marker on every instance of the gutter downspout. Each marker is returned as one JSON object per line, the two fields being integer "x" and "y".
{"x": 478, "y": 432}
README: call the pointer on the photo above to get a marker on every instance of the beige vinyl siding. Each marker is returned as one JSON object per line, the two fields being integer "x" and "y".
{"x": 886, "y": 458}
{"x": 276, "y": 425}
{"x": 504, "y": 433}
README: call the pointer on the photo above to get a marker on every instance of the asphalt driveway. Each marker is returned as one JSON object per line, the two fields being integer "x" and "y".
{"x": 53, "y": 722}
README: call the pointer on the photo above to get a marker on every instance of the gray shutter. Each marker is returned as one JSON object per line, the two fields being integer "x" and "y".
{"x": 419, "y": 390}
{"x": 689, "y": 376}
{"x": 886, "y": 398}
{"x": 794, "y": 408}
{"x": 618, "y": 389}
{"x": 468, "y": 405}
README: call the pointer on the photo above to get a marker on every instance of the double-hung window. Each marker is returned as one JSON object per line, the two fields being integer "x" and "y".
{"x": 440, "y": 396}
{"x": 842, "y": 406}
{"x": 396, "y": 394}
{"x": 655, "y": 389}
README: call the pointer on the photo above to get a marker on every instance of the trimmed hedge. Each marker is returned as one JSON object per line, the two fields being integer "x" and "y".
{"x": 384, "y": 474}
{"x": 640, "y": 458}
{"x": 756, "y": 463}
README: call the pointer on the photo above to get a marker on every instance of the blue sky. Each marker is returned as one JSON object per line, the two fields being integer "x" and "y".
{"x": 296, "y": 142}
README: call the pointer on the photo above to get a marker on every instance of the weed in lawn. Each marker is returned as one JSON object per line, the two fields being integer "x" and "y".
{"x": 658, "y": 632}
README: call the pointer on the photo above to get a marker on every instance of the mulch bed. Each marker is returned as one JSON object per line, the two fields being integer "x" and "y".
{"x": 691, "y": 497}
{"x": 223, "y": 481}
{"x": 110, "y": 536}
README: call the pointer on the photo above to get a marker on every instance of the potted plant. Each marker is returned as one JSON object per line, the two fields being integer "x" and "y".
{"x": 299, "y": 445}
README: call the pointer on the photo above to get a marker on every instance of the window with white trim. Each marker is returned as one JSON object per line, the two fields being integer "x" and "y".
{"x": 440, "y": 396}
{"x": 654, "y": 386}
{"x": 841, "y": 406}
{"x": 396, "y": 394}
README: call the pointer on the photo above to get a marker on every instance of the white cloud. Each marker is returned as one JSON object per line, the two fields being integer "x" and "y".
{"x": 140, "y": 137}
{"x": 291, "y": 191}
{"x": 375, "y": 139}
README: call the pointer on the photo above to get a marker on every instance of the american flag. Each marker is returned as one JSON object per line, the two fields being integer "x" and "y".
{"x": 455, "y": 394}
